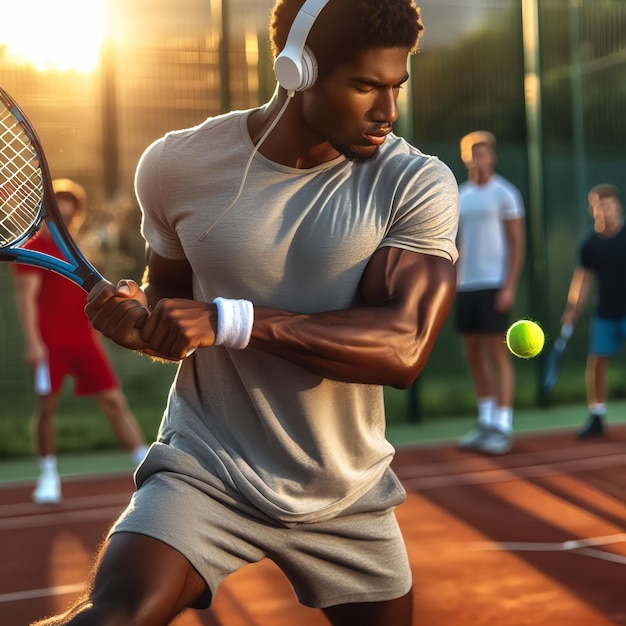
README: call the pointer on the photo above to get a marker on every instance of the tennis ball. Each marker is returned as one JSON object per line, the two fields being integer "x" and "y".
{"x": 525, "y": 339}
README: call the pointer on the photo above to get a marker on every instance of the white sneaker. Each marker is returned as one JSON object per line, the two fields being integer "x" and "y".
{"x": 48, "y": 489}
{"x": 473, "y": 439}
{"x": 496, "y": 442}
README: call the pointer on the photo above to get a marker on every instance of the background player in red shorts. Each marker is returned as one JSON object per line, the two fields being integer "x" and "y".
{"x": 59, "y": 341}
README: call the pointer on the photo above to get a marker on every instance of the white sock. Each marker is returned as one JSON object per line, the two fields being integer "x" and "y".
{"x": 598, "y": 409}
{"x": 138, "y": 454}
{"x": 486, "y": 408}
{"x": 503, "y": 419}
{"x": 48, "y": 464}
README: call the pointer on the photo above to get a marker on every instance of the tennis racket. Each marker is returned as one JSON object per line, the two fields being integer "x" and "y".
{"x": 27, "y": 201}
{"x": 554, "y": 358}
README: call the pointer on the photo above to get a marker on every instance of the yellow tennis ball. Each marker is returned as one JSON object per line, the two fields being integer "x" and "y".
{"x": 525, "y": 339}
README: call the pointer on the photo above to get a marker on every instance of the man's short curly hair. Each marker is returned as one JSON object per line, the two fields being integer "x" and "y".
{"x": 346, "y": 28}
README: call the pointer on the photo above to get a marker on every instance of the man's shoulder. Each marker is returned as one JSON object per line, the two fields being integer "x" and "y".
{"x": 192, "y": 142}
{"x": 589, "y": 241}
{"x": 397, "y": 146}
{"x": 402, "y": 156}
{"x": 500, "y": 182}
{"x": 223, "y": 122}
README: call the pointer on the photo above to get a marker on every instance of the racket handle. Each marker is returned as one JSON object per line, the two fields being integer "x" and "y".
{"x": 92, "y": 280}
{"x": 566, "y": 332}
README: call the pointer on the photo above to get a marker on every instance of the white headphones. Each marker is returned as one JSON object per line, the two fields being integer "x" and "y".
{"x": 295, "y": 67}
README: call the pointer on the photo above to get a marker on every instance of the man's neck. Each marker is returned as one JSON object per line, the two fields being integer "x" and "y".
{"x": 480, "y": 178}
{"x": 292, "y": 142}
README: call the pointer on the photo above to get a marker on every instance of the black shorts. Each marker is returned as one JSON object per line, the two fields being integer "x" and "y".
{"x": 475, "y": 313}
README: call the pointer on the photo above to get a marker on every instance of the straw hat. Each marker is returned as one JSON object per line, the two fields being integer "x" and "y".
{"x": 65, "y": 185}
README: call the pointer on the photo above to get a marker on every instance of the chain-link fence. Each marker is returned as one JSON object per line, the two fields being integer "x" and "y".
{"x": 167, "y": 64}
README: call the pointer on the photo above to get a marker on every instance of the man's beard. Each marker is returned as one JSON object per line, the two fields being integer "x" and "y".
{"x": 355, "y": 155}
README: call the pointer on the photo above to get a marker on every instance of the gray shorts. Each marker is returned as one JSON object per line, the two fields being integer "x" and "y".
{"x": 355, "y": 557}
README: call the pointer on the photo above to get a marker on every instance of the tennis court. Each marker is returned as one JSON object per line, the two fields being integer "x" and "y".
{"x": 533, "y": 537}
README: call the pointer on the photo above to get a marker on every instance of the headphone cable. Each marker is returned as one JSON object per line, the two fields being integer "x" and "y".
{"x": 265, "y": 135}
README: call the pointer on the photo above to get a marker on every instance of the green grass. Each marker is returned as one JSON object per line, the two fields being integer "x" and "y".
{"x": 80, "y": 425}
{"x": 81, "y": 428}
{"x": 429, "y": 431}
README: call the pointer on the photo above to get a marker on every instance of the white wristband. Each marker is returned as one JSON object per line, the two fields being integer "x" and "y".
{"x": 234, "y": 322}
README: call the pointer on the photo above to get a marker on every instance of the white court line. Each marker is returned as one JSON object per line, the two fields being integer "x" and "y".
{"x": 61, "y": 590}
{"x": 510, "y": 461}
{"x": 84, "y": 502}
{"x": 63, "y": 517}
{"x": 564, "y": 546}
{"x": 501, "y": 474}
{"x": 604, "y": 556}
{"x": 580, "y": 546}
{"x": 565, "y": 461}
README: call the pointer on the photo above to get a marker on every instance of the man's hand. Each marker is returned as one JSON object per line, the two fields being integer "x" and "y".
{"x": 119, "y": 313}
{"x": 35, "y": 352}
{"x": 177, "y": 326}
{"x": 504, "y": 300}
{"x": 171, "y": 331}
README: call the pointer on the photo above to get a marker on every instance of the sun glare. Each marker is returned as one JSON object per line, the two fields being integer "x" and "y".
{"x": 53, "y": 34}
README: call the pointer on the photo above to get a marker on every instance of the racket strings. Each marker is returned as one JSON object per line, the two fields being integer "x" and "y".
{"x": 21, "y": 180}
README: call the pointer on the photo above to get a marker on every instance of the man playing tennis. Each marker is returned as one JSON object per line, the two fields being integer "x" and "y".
{"x": 330, "y": 277}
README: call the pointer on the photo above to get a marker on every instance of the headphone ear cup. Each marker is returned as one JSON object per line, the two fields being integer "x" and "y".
{"x": 309, "y": 69}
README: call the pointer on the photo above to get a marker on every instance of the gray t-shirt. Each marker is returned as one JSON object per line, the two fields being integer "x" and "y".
{"x": 296, "y": 446}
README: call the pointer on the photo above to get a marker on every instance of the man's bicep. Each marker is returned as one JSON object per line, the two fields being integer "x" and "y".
{"x": 166, "y": 278}
{"x": 403, "y": 277}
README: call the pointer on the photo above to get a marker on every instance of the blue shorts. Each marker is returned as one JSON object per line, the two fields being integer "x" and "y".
{"x": 606, "y": 336}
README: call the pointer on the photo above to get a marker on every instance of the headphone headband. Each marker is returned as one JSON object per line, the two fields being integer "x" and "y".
{"x": 295, "y": 67}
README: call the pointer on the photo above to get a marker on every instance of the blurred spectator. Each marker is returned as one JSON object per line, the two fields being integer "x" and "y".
{"x": 59, "y": 341}
{"x": 491, "y": 245}
{"x": 602, "y": 255}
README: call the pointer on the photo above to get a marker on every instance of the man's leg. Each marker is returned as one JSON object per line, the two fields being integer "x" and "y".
{"x": 502, "y": 368}
{"x": 137, "y": 581}
{"x": 43, "y": 424}
{"x": 398, "y": 612}
{"x": 48, "y": 488}
{"x": 596, "y": 379}
{"x": 475, "y": 348}
{"x": 493, "y": 376}
{"x": 499, "y": 440}
{"x": 475, "y": 355}
{"x": 596, "y": 383}
{"x": 114, "y": 405}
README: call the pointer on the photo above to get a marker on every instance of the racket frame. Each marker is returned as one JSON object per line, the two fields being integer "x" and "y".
{"x": 74, "y": 265}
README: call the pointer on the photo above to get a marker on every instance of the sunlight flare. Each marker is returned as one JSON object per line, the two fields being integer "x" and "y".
{"x": 63, "y": 35}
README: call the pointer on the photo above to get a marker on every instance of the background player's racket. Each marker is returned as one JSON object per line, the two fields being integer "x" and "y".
{"x": 554, "y": 358}
{"x": 27, "y": 200}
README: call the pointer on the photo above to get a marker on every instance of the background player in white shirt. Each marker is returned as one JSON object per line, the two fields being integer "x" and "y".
{"x": 491, "y": 246}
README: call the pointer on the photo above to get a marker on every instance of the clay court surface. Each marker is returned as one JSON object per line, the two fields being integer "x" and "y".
{"x": 536, "y": 537}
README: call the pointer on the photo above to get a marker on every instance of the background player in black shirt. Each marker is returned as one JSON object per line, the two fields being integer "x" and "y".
{"x": 602, "y": 257}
